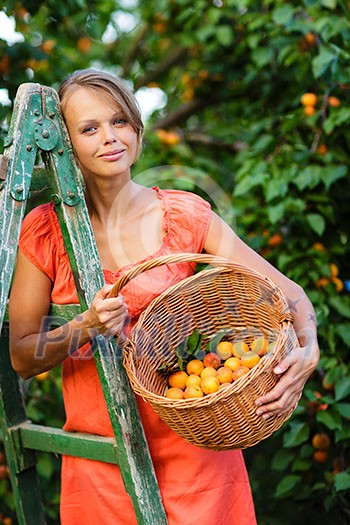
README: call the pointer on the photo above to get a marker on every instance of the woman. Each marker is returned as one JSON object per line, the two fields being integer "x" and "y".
{"x": 132, "y": 223}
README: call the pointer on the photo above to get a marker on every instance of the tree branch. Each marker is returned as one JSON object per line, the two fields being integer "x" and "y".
{"x": 183, "y": 112}
{"x": 175, "y": 56}
{"x": 196, "y": 137}
{"x": 131, "y": 55}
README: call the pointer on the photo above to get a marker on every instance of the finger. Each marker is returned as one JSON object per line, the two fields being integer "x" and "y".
{"x": 289, "y": 384}
{"x": 280, "y": 405}
{"x": 114, "y": 328}
{"x": 291, "y": 359}
{"x": 103, "y": 292}
{"x": 111, "y": 306}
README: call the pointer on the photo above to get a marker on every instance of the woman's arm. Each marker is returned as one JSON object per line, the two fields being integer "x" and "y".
{"x": 295, "y": 369}
{"x": 34, "y": 347}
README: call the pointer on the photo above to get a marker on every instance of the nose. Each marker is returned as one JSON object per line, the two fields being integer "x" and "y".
{"x": 109, "y": 134}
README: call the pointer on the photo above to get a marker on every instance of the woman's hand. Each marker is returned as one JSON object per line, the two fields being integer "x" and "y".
{"x": 293, "y": 370}
{"x": 106, "y": 315}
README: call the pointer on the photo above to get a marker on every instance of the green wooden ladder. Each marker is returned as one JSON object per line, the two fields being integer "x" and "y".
{"x": 37, "y": 134}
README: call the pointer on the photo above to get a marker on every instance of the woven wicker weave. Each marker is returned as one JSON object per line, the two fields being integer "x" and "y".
{"x": 227, "y": 296}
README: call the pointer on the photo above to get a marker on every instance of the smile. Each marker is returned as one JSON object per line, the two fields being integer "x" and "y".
{"x": 112, "y": 155}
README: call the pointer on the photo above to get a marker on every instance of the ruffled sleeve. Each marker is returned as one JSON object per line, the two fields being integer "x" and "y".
{"x": 40, "y": 239}
{"x": 186, "y": 220}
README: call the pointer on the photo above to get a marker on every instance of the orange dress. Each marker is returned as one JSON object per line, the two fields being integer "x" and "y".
{"x": 197, "y": 485}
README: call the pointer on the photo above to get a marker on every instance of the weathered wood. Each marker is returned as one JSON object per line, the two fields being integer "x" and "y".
{"x": 19, "y": 156}
{"x": 58, "y": 441}
{"x": 133, "y": 455}
{"x": 21, "y": 461}
{"x": 38, "y": 125}
{"x": 59, "y": 313}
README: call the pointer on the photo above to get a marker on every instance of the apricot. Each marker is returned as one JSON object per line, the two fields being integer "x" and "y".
{"x": 194, "y": 367}
{"x": 232, "y": 363}
{"x": 259, "y": 345}
{"x": 193, "y": 391}
{"x": 334, "y": 102}
{"x": 309, "y": 110}
{"x": 308, "y": 99}
{"x": 193, "y": 380}
{"x": 224, "y": 349}
{"x": 250, "y": 359}
{"x": 321, "y": 441}
{"x": 239, "y": 348}
{"x": 208, "y": 371}
{"x": 178, "y": 379}
{"x": 212, "y": 360}
{"x": 210, "y": 384}
{"x": 224, "y": 375}
{"x": 175, "y": 393}
{"x": 240, "y": 371}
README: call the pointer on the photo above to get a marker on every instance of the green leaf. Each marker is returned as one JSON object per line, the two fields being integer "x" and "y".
{"x": 194, "y": 342}
{"x": 249, "y": 182}
{"x": 343, "y": 409}
{"x": 275, "y": 188}
{"x": 213, "y": 343}
{"x": 282, "y": 459}
{"x": 337, "y": 117}
{"x": 283, "y": 15}
{"x": 286, "y": 485}
{"x": 262, "y": 56}
{"x": 330, "y": 4}
{"x": 330, "y": 419}
{"x": 316, "y": 222}
{"x": 342, "y": 388}
{"x": 339, "y": 304}
{"x": 298, "y": 433}
{"x": 342, "y": 481}
{"x": 332, "y": 173}
{"x": 224, "y": 35}
{"x": 343, "y": 330}
{"x": 301, "y": 465}
{"x": 45, "y": 465}
{"x": 276, "y": 213}
{"x": 309, "y": 177}
{"x": 322, "y": 62}
{"x": 343, "y": 434}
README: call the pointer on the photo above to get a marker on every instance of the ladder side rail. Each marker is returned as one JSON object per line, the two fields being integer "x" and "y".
{"x": 133, "y": 454}
{"x": 17, "y": 166}
{"x": 17, "y": 163}
{"x": 21, "y": 461}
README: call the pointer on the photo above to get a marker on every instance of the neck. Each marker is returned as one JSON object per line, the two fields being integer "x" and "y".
{"x": 103, "y": 195}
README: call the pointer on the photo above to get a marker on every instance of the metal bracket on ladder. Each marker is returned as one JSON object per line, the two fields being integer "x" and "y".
{"x": 37, "y": 129}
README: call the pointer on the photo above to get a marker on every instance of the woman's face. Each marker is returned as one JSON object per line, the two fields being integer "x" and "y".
{"x": 104, "y": 142}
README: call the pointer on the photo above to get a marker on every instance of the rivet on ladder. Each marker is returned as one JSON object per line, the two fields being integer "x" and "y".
{"x": 56, "y": 199}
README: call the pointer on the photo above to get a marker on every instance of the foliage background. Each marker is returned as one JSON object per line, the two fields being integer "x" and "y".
{"x": 232, "y": 127}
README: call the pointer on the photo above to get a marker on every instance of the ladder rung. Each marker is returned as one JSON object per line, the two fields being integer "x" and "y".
{"x": 58, "y": 441}
{"x": 62, "y": 313}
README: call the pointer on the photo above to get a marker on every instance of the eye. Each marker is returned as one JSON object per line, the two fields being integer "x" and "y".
{"x": 89, "y": 129}
{"x": 120, "y": 121}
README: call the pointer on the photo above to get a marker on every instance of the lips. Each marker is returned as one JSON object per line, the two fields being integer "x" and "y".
{"x": 112, "y": 155}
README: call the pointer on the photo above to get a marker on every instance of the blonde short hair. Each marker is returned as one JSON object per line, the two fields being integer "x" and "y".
{"x": 112, "y": 87}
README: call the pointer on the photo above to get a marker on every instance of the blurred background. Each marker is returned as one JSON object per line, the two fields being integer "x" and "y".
{"x": 246, "y": 103}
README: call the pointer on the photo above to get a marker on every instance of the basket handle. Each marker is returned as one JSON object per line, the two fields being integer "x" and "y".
{"x": 167, "y": 259}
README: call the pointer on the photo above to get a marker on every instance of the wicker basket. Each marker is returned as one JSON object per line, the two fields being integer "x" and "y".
{"x": 227, "y": 296}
